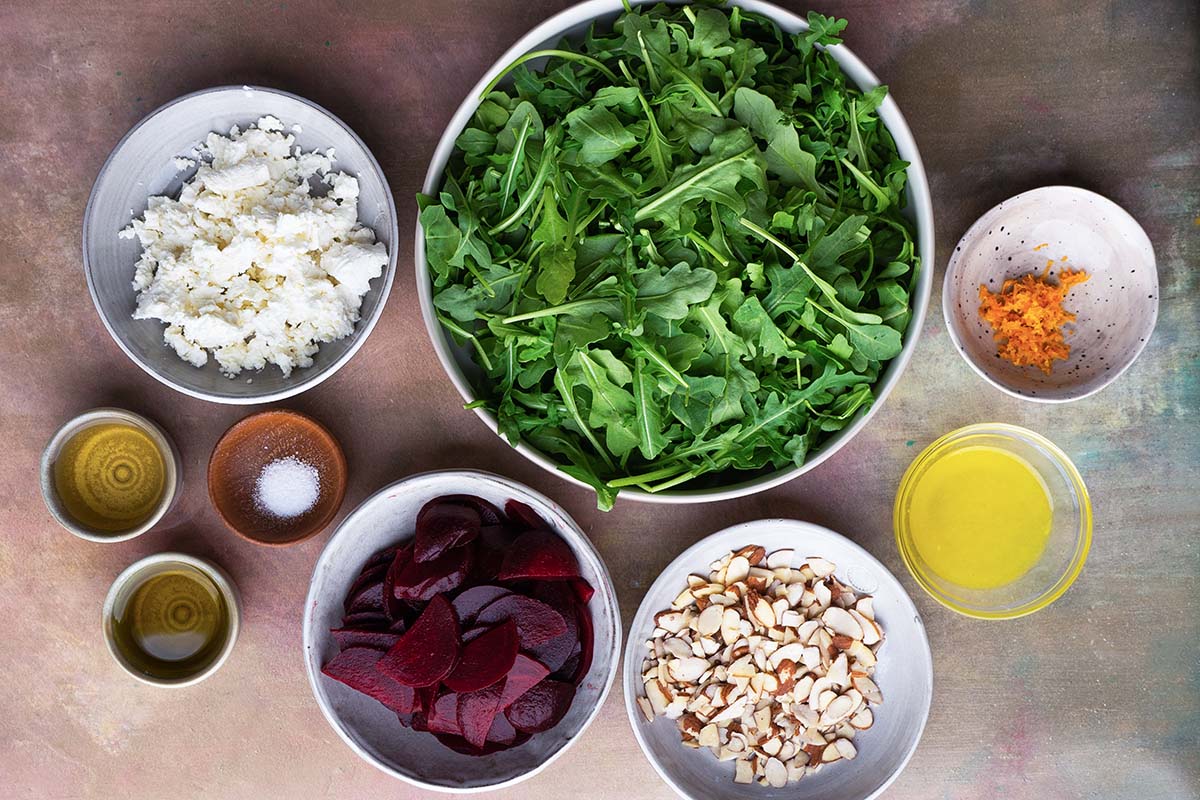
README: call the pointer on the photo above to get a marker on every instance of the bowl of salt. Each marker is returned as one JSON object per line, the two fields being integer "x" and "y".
{"x": 277, "y": 477}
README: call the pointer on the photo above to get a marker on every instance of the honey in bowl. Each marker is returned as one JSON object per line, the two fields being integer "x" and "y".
{"x": 171, "y": 625}
{"x": 980, "y": 516}
{"x": 110, "y": 477}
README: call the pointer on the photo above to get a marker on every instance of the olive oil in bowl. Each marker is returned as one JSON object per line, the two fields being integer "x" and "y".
{"x": 171, "y": 619}
{"x": 109, "y": 475}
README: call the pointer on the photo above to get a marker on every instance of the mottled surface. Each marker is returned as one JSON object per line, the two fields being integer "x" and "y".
{"x": 1096, "y": 697}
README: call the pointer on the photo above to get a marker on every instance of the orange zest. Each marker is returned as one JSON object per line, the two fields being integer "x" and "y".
{"x": 1027, "y": 317}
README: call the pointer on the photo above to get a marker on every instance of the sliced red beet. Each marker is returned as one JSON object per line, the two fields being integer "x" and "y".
{"x": 367, "y": 621}
{"x": 583, "y": 590}
{"x": 428, "y": 651}
{"x": 488, "y": 513}
{"x": 392, "y": 604}
{"x": 502, "y": 732}
{"x": 536, "y": 621}
{"x": 486, "y": 660}
{"x": 523, "y": 516}
{"x": 442, "y": 716}
{"x": 476, "y": 711}
{"x": 570, "y": 668}
{"x": 368, "y": 598}
{"x": 468, "y": 604}
{"x": 442, "y": 526}
{"x": 539, "y": 555}
{"x": 422, "y": 580}
{"x": 490, "y": 547}
{"x": 586, "y": 637}
{"x": 357, "y": 668}
{"x": 369, "y": 577}
{"x": 524, "y": 675}
{"x": 382, "y": 558}
{"x": 355, "y": 637}
{"x": 474, "y": 633}
{"x": 553, "y": 653}
{"x": 542, "y": 707}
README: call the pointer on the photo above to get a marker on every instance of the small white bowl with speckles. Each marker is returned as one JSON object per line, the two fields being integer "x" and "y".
{"x": 1054, "y": 228}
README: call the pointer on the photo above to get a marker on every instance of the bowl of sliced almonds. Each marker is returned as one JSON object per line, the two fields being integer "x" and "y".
{"x": 779, "y": 659}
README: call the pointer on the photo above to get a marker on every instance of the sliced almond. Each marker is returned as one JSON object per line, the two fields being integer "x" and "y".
{"x": 656, "y": 693}
{"x": 670, "y": 621}
{"x": 646, "y": 708}
{"x": 760, "y": 610}
{"x": 864, "y": 719}
{"x": 776, "y": 773}
{"x": 743, "y": 772}
{"x": 839, "y": 671}
{"x": 820, "y": 567}
{"x": 846, "y": 748}
{"x": 795, "y": 593}
{"x": 820, "y": 686}
{"x": 738, "y": 569}
{"x": 789, "y": 652}
{"x": 861, "y": 654}
{"x": 683, "y": 600}
{"x": 686, "y": 670}
{"x": 709, "y": 736}
{"x": 781, "y": 558}
{"x": 731, "y": 712}
{"x": 869, "y": 690}
{"x": 831, "y": 753}
{"x": 836, "y": 711}
{"x": 841, "y": 622}
{"x": 871, "y": 633}
{"x": 866, "y": 607}
{"x": 752, "y": 553}
{"x": 709, "y": 621}
{"x": 806, "y": 631}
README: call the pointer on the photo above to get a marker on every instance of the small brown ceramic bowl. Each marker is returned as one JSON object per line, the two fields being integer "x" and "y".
{"x": 247, "y": 448}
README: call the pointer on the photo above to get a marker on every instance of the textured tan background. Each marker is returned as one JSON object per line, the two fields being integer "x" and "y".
{"x": 1096, "y": 697}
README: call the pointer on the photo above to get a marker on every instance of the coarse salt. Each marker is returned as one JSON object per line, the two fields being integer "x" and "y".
{"x": 287, "y": 487}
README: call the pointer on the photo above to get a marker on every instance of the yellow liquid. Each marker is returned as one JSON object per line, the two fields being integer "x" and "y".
{"x": 110, "y": 476}
{"x": 173, "y": 625}
{"x": 980, "y": 517}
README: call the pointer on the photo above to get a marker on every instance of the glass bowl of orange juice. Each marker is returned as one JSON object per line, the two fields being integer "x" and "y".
{"x": 993, "y": 520}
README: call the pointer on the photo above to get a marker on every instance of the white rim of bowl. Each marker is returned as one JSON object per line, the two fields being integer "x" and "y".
{"x": 172, "y": 471}
{"x": 362, "y": 328}
{"x": 696, "y": 555}
{"x": 224, "y": 584}
{"x": 952, "y": 268}
{"x": 607, "y": 591}
{"x": 922, "y": 207}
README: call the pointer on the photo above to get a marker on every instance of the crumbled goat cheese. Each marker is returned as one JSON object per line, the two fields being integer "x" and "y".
{"x": 248, "y": 265}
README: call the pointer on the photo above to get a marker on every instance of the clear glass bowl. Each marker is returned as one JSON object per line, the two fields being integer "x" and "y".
{"x": 1070, "y": 533}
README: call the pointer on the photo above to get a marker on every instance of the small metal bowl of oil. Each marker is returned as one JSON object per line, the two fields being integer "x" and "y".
{"x": 109, "y": 475}
{"x": 172, "y": 619}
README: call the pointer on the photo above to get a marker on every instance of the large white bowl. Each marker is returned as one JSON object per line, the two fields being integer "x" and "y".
{"x": 904, "y": 672}
{"x": 142, "y": 165}
{"x": 574, "y": 22}
{"x": 372, "y": 731}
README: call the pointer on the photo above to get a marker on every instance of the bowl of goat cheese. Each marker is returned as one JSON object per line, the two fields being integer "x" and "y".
{"x": 240, "y": 244}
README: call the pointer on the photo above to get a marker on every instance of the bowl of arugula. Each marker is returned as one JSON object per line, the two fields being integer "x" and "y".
{"x": 676, "y": 252}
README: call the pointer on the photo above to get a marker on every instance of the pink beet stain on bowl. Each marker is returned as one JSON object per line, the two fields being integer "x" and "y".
{"x": 247, "y": 448}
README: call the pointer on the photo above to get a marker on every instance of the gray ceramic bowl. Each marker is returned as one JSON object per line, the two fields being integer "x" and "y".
{"x": 371, "y": 730}
{"x": 574, "y": 23}
{"x": 904, "y": 672}
{"x": 142, "y": 165}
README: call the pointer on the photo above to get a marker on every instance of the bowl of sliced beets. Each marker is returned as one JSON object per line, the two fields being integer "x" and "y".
{"x": 460, "y": 631}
